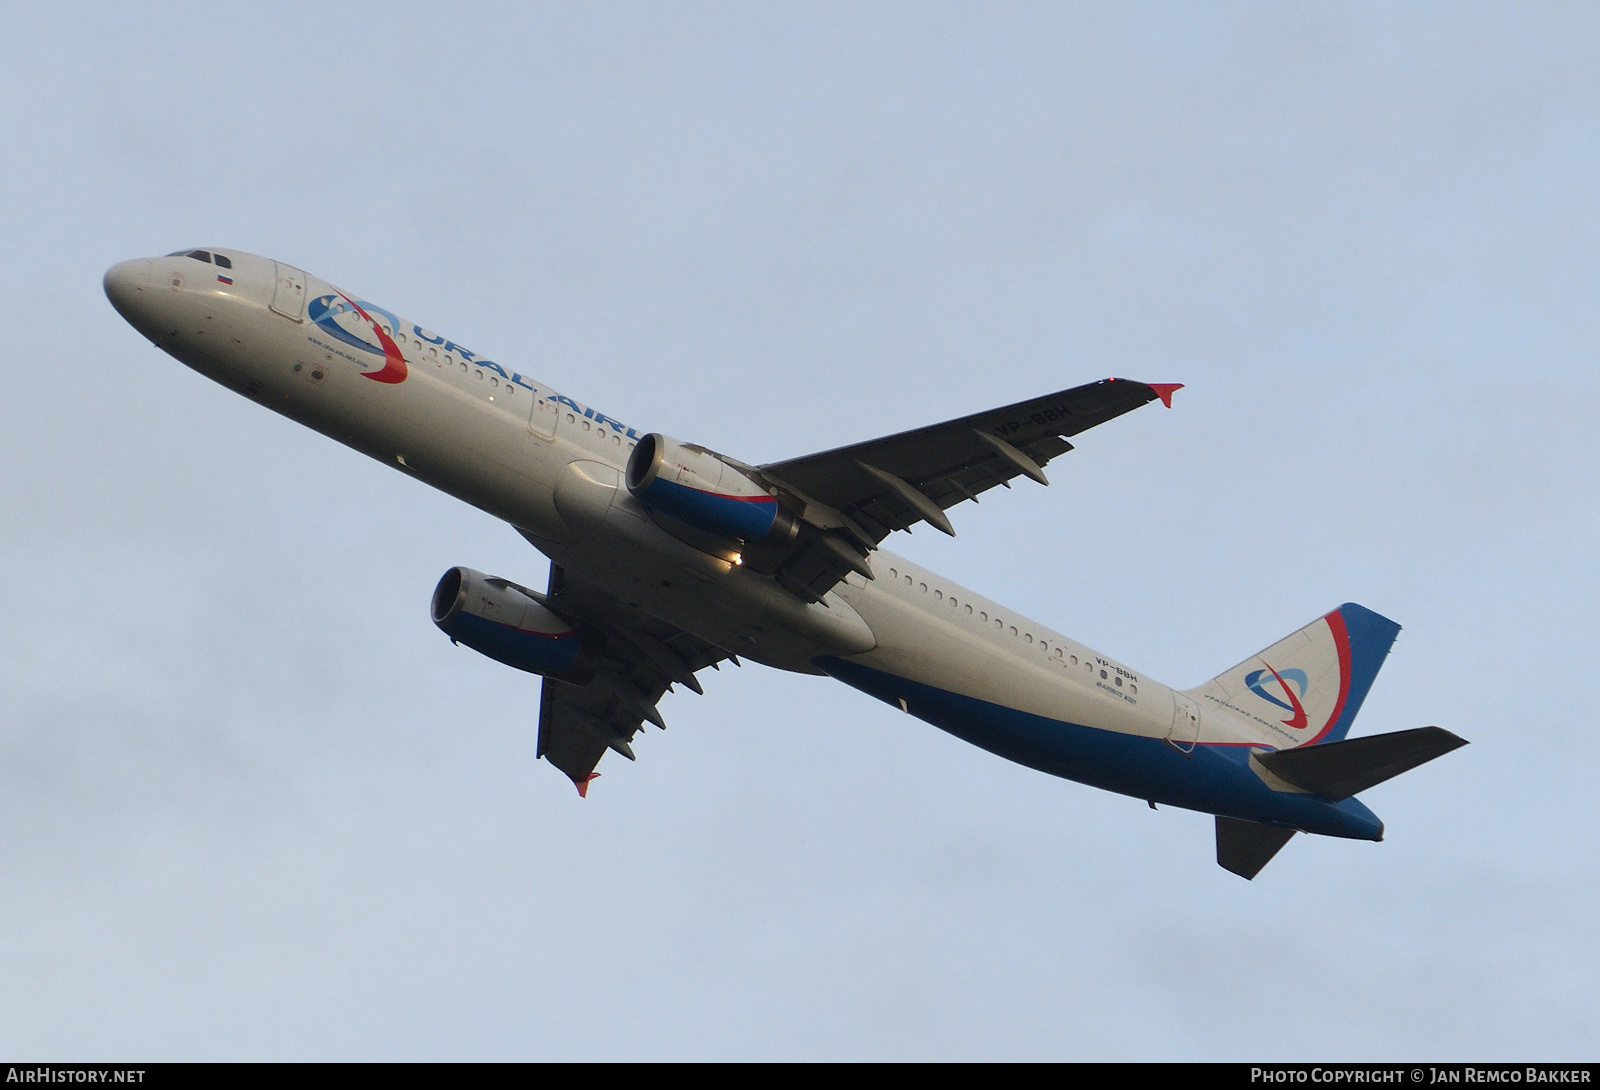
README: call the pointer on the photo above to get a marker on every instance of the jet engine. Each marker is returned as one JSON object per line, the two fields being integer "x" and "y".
{"x": 495, "y": 617}
{"x": 708, "y": 492}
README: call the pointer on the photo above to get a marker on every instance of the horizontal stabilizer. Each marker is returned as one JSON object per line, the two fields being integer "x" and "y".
{"x": 1337, "y": 770}
{"x": 1244, "y": 847}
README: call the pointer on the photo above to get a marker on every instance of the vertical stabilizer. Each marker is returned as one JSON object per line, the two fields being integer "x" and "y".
{"x": 1307, "y": 687}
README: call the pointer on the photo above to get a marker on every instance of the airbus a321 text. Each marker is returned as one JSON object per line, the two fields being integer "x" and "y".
{"x": 667, "y": 558}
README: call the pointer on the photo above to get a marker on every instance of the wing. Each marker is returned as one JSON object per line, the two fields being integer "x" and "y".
{"x": 639, "y": 659}
{"x": 854, "y": 497}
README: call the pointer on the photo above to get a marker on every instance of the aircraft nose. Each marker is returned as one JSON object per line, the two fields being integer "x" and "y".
{"x": 129, "y": 286}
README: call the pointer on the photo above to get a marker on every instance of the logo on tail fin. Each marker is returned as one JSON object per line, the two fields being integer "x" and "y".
{"x": 1255, "y": 682}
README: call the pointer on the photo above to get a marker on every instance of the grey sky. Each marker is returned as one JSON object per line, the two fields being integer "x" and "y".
{"x": 253, "y": 805}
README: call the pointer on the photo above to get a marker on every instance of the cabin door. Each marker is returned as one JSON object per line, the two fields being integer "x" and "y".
{"x": 289, "y": 293}
{"x": 1185, "y": 731}
{"x": 542, "y": 417}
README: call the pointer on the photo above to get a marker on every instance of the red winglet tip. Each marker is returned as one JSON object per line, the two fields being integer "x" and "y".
{"x": 1165, "y": 390}
{"x": 583, "y": 784}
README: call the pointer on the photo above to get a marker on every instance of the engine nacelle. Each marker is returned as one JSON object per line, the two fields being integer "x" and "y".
{"x": 698, "y": 487}
{"x": 496, "y": 618}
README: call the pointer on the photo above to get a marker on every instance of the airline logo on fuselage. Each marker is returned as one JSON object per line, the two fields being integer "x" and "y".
{"x": 326, "y": 312}
{"x": 349, "y": 321}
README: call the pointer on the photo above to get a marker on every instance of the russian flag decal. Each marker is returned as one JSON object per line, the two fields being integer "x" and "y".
{"x": 224, "y": 279}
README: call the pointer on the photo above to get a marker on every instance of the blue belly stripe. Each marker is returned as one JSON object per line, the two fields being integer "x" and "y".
{"x": 1214, "y": 780}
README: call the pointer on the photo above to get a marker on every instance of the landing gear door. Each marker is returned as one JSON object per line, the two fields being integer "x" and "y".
{"x": 1185, "y": 731}
{"x": 289, "y": 293}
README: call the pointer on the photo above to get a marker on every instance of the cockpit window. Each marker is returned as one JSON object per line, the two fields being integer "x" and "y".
{"x": 223, "y": 261}
{"x": 201, "y": 255}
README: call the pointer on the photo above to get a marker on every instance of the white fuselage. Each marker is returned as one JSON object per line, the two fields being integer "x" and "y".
{"x": 509, "y": 444}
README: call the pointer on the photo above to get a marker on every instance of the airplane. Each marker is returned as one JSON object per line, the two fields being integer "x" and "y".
{"x": 667, "y": 557}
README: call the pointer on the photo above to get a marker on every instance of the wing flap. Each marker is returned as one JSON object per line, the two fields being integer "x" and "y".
{"x": 851, "y": 498}
{"x": 947, "y": 461}
{"x": 571, "y": 735}
{"x": 641, "y": 657}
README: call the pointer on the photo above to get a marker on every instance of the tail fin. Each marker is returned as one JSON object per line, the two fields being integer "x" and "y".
{"x": 1308, "y": 687}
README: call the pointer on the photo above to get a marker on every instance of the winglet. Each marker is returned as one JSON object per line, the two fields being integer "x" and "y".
{"x": 583, "y": 784}
{"x": 1164, "y": 390}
